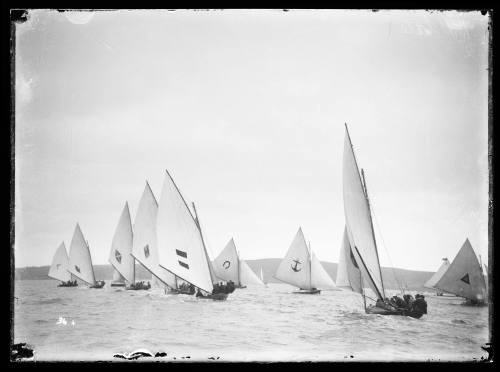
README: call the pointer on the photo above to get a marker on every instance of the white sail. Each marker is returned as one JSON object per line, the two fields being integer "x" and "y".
{"x": 438, "y": 274}
{"x": 295, "y": 268}
{"x": 80, "y": 262}
{"x": 117, "y": 277}
{"x": 319, "y": 276}
{"x": 144, "y": 246}
{"x": 121, "y": 247}
{"x": 60, "y": 263}
{"x": 227, "y": 265}
{"x": 348, "y": 273}
{"x": 358, "y": 221}
{"x": 180, "y": 246}
{"x": 247, "y": 275}
{"x": 262, "y": 275}
{"x": 464, "y": 276}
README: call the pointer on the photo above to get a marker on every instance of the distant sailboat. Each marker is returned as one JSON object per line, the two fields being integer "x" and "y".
{"x": 121, "y": 248}
{"x": 144, "y": 247}
{"x": 464, "y": 277}
{"x": 262, "y": 277}
{"x": 228, "y": 266}
{"x": 80, "y": 262}
{"x": 437, "y": 275}
{"x": 302, "y": 269}
{"x": 180, "y": 242}
{"x": 361, "y": 239}
{"x": 59, "y": 268}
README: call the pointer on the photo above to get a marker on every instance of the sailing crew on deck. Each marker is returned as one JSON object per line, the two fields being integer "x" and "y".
{"x": 419, "y": 305}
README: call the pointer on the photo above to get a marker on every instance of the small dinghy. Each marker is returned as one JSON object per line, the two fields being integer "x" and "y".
{"x": 59, "y": 268}
{"x": 229, "y": 266}
{"x": 301, "y": 268}
{"x": 80, "y": 261}
{"x": 118, "y": 279}
{"x": 359, "y": 262}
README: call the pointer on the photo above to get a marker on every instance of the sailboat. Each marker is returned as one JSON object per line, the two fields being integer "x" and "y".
{"x": 360, "y": 247}
{"x": 302, "y": 269}
{"x": 229, "y": 266}
{"x": 118, "y": 279}
{"x": 262, "y": 277}
{"x": 465, "y": 277}
{"x": 437, "y": 275}
{"x": 59, "y": 268}
{"x": 121, "y": 248}
{"x": 144, "y": 247}
{"x": 80, "y": 262}
{"x": 181, "y": 246}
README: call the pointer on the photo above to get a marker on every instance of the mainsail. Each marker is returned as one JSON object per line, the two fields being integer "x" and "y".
{"x": 60, "y": 263}
{"x": 348, "y": 273}
{"x": 295, "y": 268}
{"x": 121, "y": 247}
{"x": 227, "y": 264}
{"x": 438, "y": 274}
{"x": 464, "y": 276}
{"x": 144, "y": 248}
{"x": 80, "y": 262}
{"x": 358, "y": 221}
{"x": 180, "y": 245}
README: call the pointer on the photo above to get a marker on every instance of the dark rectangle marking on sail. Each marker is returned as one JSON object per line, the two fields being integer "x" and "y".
{"x": 181, "y": 253}
{"x": 183, "y": 264}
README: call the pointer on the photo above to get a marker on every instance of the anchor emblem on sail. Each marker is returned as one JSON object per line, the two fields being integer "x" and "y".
{"x": 77, "y": 268}
{"x": 146, "y": 250}
{"x": 118, "y": 256}
{"x": 226, "y": 265}
{"x": 295, "y": 267}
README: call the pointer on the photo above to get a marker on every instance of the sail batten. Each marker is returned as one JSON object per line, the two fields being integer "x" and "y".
{"x": 358, "y": 220}
{"x": 80, "y": 261}
{"x": 178, "y": 231}
{"x": 60, "y": 264}
{"x": 144, "y": 247}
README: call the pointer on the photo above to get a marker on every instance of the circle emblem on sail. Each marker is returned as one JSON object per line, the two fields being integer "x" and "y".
{"x": 146, "y": 251}
{"x": 77, "y": 268}
{"x": 295, "y": 267}
{"x": 226, "y": 265}
{"x": 118, "y": 256}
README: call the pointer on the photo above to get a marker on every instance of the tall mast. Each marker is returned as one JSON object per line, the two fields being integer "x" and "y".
{"x": 203, "y": 242}
{"x": 373, "y": 231}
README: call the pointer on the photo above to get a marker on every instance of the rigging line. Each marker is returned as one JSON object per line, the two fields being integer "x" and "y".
{"x": 386, "y": 251}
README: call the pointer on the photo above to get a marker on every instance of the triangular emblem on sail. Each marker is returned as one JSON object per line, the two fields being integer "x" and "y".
{"x": 60, "y": 264}
{"x": 144, "y": 247}
{"x": 79, "y": 258}
{"x": 121, "y": 247}
{"x": 464, "y": 277}
{"x": 178, "y": 232}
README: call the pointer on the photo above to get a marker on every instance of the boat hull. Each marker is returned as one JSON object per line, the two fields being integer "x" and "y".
{"x": 98, "y": 285}
{"x": 215, "y": 297}
{"x": 117, "y": 284}
{"x": 401, "y": 312}
{"x": 307, "y": 291}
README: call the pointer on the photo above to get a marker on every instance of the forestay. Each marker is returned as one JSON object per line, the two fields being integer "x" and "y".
{"x": 348, "y": 273}
{"x": 295, "y": 268}
{"x": 144, "y": 246}
{"x": 121, "y": 247}
{"x": 80, "y": 262}
{"x": 226, "y": 265}
{"x": 319, "y": 276}
{"x": 358, "y": 221}
{"x": 438, "y": 274}
{"x": 180, "y": 247}
{"x": 60, "y": 263}
{"x": 464, "y": 276}
{"x": 247, "y": 275}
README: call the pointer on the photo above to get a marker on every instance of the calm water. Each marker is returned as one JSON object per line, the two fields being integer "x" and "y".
{"x": 256, "y": 323}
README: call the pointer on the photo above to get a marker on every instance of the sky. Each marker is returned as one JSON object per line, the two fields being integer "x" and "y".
{"x": 246, "y": 109}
